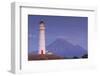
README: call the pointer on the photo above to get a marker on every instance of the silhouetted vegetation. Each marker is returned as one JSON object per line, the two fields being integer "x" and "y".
{"x": 66, "y": 57}
{"x": 75, "y": 57}
{"x": 85, "y": 56}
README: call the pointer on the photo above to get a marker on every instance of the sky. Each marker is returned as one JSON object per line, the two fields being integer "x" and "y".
{"x": 71, "y": 28}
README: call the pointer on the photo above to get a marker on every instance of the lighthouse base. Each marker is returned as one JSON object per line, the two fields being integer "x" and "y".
{"x": 42, "y": 52}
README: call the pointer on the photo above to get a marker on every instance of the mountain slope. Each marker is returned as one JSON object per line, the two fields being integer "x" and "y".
{"x": 64, "y": 48}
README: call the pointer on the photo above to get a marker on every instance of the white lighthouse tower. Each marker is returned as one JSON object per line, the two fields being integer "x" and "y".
{"x": 42, "y": 49}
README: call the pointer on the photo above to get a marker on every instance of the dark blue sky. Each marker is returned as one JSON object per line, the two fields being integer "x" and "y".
{"x": 71, "y": 28}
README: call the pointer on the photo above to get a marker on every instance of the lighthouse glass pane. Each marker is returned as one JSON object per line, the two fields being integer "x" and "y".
{"x": 57, "y": 37}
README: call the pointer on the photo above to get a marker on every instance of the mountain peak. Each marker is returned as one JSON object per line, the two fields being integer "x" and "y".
{"x": 64, "y": 48}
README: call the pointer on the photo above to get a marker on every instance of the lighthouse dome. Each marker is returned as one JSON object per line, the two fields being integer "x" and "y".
{"x": 42, "y": 22}
{"x": 42, "y": 25}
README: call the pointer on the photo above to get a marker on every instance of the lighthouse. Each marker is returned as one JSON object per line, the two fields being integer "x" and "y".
{"x": 42, "y": 48}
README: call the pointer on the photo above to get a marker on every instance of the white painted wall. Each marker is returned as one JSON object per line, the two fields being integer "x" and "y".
{"x": 5, "y": 42}
{"x": 42, "y": 39}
